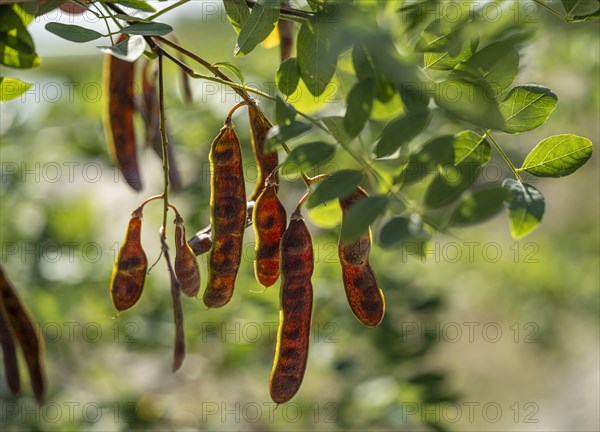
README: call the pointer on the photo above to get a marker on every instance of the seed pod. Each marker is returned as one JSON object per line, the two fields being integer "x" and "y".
{"x": 265, "y": 162}
{"x": 201, "y": 242}
{"x": 364, "y": 295}
{"x": 186, "y": 266}
{"x": 296, "y": 296}
{"x": 179, "y": 347}
{"x": 129, "y": 270}
{"x": 11, "y": 368}
{"x": 149, "y": 110}
{"x": 118, "y": 116}
{"x": 227, "y": 216}
{"x": 19, "y": 320}
{"x": 269, "y": 220}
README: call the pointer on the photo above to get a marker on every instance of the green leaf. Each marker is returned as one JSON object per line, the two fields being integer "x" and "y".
{"x": 401, "y": 231}
{"x": 558, "y": 156}
{"x": 497, "y": 64}
{"x": 440, "y": 34}
{"x": 401, "y": 130}
{"x": 316, "y": 56}
{"x": 129, "y": 50}
{"x": 335, "y": 125}
{"x": 525, "y": 206}
{"x": 148, "y": 29}
{"x": 340, "y": 184}
{"x": 284, "y": 112}
{"x": 527, "y": 107}
{"x": 11, "y": 88}
{"x": 258, "y": 26}
{"x": 280, "y": 134}
{"x": 17, "y": 48}
{"x": 470, "y": 101}
{"x": 360, "y": 104}
{"x": 288, "y": 76}
{"x": 470, "y": 147}
{"x": 233, "y": 68}
{"x": 446, "y": 60}
{"x": 310, "y": 154}
{"x": 73, "y": 33}
{"x": 134, "y": 4}
{"x": 580, "y": 7}
{"x": 479, "y": 206}
{"x": 361, "y": 215}
{"x": 449, "y": 183}
{"x": 438, "y": 152}
{"x": 237, "y": 12}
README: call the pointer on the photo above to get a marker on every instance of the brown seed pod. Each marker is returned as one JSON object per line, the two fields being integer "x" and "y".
{"x": 129, "y": 270}
{"x": 186, "y": 266}
{"x": 23, "y": 328}
{"x": 227, "y": 216}
{"x": 266, "y": 163}
{"x": 11, "y": 368}
{"x": 179, "y": 347}
{"x": 118, "y": 116}
{"x": 269, "y": 221}
{"x": 364, "y": 295}
{"x": 296, "y": 296}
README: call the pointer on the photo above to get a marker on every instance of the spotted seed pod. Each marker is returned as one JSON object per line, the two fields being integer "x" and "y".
{"x": 18, "y": 321}
{"x": 118, "y": 116}
{"x": 186, "y": 266}
{"x": 266, "y": 163}
{"x": 131, "y": 265}
{"x": 364, "y": 295}
{"x": 296, "y": 297}
{"x": 269, "y": 221}
{"x": 227, "y": 216}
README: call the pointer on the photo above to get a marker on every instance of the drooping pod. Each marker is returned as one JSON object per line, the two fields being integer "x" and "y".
{"x": 131, "y": 265}
{"x": 227, "y": 216}
{"x": 266, "y": 163}
{"x": 149, "y": 111}
{"x": 11, "y": 368}
{"x": 296, "y": 296}
{"x": 269, "y": 220}
{"x": 364, "y": 295}
{"x": 186, "y": 266}
{"x": 118, "y": 116}
{"x": 22, "y": 327}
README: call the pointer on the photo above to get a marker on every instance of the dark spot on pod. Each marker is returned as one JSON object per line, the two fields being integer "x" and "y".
{"x": 267, "y": 222}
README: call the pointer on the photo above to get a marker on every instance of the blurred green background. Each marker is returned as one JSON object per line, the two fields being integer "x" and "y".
{"x": 485, "y": 334}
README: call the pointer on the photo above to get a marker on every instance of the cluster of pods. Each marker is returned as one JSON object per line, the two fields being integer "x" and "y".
{"x": 282, "y": 250}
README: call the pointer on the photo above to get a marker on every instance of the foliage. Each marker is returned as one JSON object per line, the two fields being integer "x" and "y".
{"x": 435, "y": 74}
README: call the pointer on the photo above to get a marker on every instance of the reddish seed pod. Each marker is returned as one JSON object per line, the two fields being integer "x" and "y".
{"x": 118, "y": 116}
{"x": 227, "y": 216}
{"x": 131, "y": 265}
{"x": 364, "y": 295}
{"x": 266, "y": 162}
{"x": 186, "y": 266}
{"x": 22, "y": 326}
{"x": 296, "y": 297}
{"x": 269, "y": 221}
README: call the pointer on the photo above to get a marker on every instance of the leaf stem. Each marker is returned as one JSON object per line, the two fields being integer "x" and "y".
{"x": 504, "y": 155}
{"x": 167, "y": 9}
{"x": 164, "y": 141}
{"x": 551, "y": 10}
